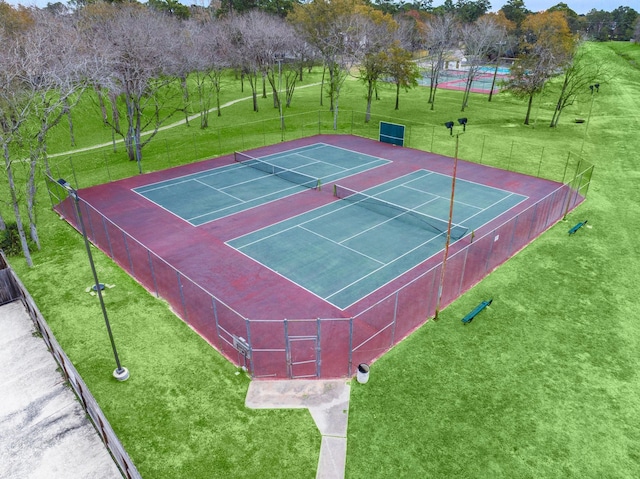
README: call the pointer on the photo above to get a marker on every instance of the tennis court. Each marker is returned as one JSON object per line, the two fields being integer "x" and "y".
{"x": 250, "y": 182}
{"x": 347, "y": 249}
{"x": 306, "y": 258}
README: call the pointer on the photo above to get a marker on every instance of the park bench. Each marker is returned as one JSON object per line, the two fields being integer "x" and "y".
{"x": 577, "y": 227}
{"x": 469, "y": 317}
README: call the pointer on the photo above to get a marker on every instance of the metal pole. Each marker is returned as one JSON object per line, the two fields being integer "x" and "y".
{"x": 120, "y": 373}
{"x": 586, "y": 128}
{"x": 279, "y": 60}
{"x": 446, "y": 246}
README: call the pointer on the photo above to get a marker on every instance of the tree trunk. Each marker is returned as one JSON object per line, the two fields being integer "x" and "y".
{"x": 218, "y": 99}
{"x": 290, "y": 85}
{"x": 526, "y": 119}
{"x": 558, "y": 110}
{"x": 397, "y": 95}
{"x": 204, "y": 105}
{"x": 31, "y": 194}
{"x": 324, "y": 69}
{"x": 16, "y": 207}
{"x": 129, "y": 140}
{"x": 253, "y": 81}
{"x": 103, "y": 107}
{"x": 367, "y": 116}
{"x": 185, "y": 97}
{"x": 335, "y": 110}
{"x": 67, "y": 111}
{"x": 115, "y": 118}
{"x": 264, "y": 85}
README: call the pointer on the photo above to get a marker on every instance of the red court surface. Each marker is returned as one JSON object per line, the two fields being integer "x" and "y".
{"x": 270, "y": 325}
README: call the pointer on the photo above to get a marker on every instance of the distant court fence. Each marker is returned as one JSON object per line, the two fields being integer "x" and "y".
{"x": 9, "y": 282}
{"x": 109, "y": 163}
{"x": 326, "y": 347}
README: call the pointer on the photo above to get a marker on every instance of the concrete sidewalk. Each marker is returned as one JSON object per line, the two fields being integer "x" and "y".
{"x": 328, "y": 403}
{"x": 44, "y": 431}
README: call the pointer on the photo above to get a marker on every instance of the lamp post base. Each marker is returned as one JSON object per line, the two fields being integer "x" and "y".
{"x": 121, "y": 374}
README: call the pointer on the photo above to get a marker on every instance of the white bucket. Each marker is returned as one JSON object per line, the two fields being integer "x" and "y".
{"x": 363, "y": 373}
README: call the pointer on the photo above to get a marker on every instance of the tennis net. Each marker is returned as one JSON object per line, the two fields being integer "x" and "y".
{"x": 286, "y": 174}
{"x": 401, "y": 213}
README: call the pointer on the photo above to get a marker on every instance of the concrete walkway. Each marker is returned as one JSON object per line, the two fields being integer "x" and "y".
{"x": 44, "y": 431}
{"x": 328, "y": 403}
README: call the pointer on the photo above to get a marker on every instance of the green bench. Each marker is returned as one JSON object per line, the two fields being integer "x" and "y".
{"x": 577, "y": 227}
{"x": 469, "y": 317}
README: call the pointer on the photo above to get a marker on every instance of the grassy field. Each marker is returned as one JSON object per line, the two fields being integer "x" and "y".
{"x": 543, "y": 384}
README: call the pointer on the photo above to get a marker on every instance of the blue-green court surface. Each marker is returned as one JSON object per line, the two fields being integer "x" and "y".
{"x": 349, "y": 248}
{"x": 209, "y": 195}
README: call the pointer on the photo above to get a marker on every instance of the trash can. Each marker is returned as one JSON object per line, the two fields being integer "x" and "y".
{"x": 363, "y": 373}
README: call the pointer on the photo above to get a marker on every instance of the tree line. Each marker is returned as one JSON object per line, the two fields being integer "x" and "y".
{"x": 145, "y": 63}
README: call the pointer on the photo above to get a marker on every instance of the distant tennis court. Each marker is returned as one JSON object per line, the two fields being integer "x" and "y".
{"x": 213, "y": 194}
{"x": 347, "y": 249}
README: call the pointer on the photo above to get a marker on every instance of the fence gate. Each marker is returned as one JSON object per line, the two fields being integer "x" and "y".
{"x": 303, "y": 348}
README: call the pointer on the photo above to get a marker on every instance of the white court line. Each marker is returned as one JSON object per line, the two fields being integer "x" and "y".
{"x": 385, "y": 265}
{"x": 342, "y": 246}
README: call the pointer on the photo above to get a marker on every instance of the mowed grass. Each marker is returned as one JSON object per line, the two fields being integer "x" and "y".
{"x": 542, "y": 384}
{"x": 545, "y": 382}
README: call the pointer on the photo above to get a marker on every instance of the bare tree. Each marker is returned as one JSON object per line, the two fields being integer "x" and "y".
{"x": 56, "y": 65}
{"x": 139, "y": 51}
{"x": 41, "y": 69}
{"x": 579, "y": 73}
{"x": 440, "y": 36}
{"x": 206, "y": 54}
{"x": 245, "y": 34}
{"x": 479, "y": 39}
{"x": 15, "y": 106}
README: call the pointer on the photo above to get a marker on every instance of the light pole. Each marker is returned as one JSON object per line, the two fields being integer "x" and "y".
{"x": 595, "y": 86}
{"x": 449, "y": 125}
{"x": 279, "y": 59}
{"x": 120, "y": 373}
{"x": 495, "y": 72}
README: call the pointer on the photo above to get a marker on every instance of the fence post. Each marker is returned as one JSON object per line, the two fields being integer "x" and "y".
{"x": 153, "y": 274}
{"x": 75, "y": 177}
{"x": 215, "y": 317}
{"x": 540, "y": 163}
{"x": 106, "y": 232}
{"x": 184, "y": 304}
{"x": 433, "y": 133}
{"x": 126, "y": 248}
{"x": 318, "y": 350}
{"x": 395, "y": 318}
{"x": 287, "y": 351}
{"x": 91, "y": 232}
{"x": 350, "y": 345}
{"x": 106, "y": 162}
{"x": 250, "y": 368}
{"x": 510, "y": 156}
{"x": 566, "y": 166}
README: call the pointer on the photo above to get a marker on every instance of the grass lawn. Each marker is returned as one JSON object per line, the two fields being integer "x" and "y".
{"x": 542, "y": 384}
